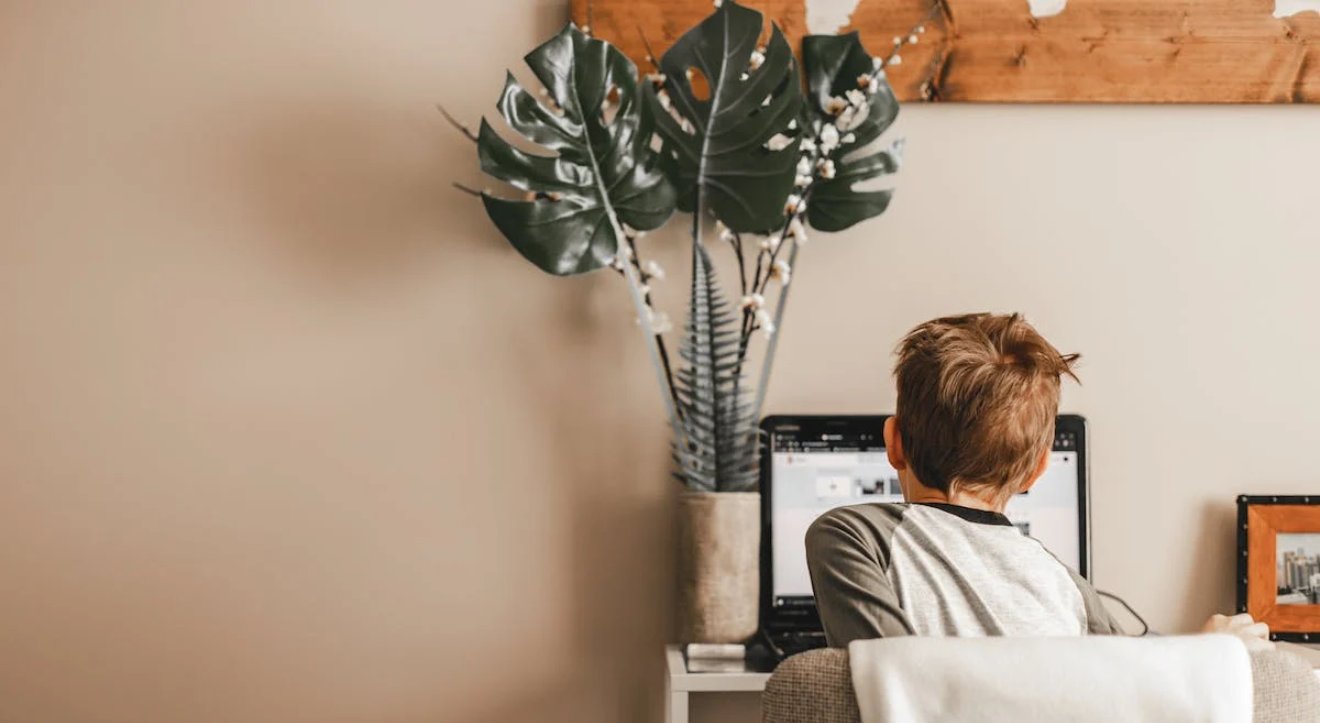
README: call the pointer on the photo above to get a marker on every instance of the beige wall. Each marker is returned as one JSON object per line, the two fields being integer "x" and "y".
{"x": 288, "y": 434}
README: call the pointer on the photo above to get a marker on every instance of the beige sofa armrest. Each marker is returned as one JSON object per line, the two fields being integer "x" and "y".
{"x": 1285, "y": 688}
{"x": 811, "y": 687}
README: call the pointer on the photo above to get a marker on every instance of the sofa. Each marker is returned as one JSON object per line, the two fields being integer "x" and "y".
{"x": 816, "y": 687}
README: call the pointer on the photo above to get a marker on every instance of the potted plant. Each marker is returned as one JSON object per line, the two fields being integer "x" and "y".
{"x": 726, "y": 131}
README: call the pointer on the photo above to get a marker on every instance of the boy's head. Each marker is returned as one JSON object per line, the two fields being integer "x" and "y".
{"x": 977, "y": 397}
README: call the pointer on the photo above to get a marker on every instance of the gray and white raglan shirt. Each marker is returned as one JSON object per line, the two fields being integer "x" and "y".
{"x": 882, "y": 570}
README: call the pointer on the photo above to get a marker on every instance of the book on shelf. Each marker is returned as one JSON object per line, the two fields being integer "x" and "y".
{"x": 714, "y": 651}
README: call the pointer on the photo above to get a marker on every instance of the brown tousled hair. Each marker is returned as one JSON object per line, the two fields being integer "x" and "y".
{"x": 977, "y": 397}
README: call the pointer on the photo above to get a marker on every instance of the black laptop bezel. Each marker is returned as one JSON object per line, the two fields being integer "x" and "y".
{"x": 807, "y": 617}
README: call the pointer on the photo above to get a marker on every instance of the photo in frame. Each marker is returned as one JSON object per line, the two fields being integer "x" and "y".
{"x": 1279, "y": 564}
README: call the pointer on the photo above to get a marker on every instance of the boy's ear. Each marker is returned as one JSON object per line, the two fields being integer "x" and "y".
{"x": 894, "y": 445}
{"x": 1041, "y": 464}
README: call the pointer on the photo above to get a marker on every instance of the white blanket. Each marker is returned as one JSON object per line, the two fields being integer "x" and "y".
{"x": 1202, "y": 678}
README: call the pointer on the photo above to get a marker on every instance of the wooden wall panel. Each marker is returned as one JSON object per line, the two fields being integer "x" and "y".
{"x": 1094, "y": 51}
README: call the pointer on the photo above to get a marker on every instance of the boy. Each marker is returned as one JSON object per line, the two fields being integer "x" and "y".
{"x": 977, "y": 397}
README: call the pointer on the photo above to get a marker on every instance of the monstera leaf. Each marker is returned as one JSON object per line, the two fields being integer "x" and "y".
{"x": 834, "y": 65}
{"x": 604, "y": 174}
{"x": 717, "y": 449}
{"x": 731, "y": 99}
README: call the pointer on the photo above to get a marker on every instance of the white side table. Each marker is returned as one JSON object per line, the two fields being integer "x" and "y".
{"x": 679, "y": 684}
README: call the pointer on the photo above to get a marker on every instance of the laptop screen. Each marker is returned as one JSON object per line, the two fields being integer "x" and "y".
{"x": 816, "y": 466}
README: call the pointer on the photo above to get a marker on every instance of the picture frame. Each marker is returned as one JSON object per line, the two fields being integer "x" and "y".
{"x": 1278, "y": 564}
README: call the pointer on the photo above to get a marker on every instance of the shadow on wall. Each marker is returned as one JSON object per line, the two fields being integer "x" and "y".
{"x": 1216, "y": 548}
{"x": 622, "y": 499}
{"x": 362, "y": 201}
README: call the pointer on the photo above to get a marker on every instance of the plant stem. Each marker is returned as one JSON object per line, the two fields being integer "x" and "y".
{"x": 454, "y": 122}
{"x": 773, "y": 342}
{"x": 759, "y": 285}
{"x": 645, "y": 279}
{"x": 736, "y": 241}
{"x": 653, "y": 346}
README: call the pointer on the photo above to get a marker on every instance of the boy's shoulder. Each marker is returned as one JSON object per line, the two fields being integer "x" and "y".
{"x": 873, "y": 512}
{"x": 875, "y": 521}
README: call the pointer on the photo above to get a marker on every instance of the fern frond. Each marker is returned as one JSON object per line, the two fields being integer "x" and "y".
{"x": 718, "y": 448}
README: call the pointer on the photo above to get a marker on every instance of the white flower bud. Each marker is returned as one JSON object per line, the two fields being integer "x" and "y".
{"x": 654, "y": 270}
{"x": 767, "y": 323}
{"x": 829, "y": 138}
{"x": 793, "y": 203}
{"x": 802, "y": 181}
{"x": 853, "y": 117}
{"x": 757, "y": 59}
{"x": 877, "y": 62}
{"x": 804, "y": 166}
{"x": 744, "y": 77}
{"x": 780, "y": 270}
{"x": 778, "y": 142}
{"x": 850, "y": 138}
{"x": 752, "y": 301}
{"x": 827, "y": 169}
{"x": 912, "y": 39}
{"x": 835, "y": 105}
{"x": 660, "y": 322}
{"x": 896, "y": 60}
{"x": 856, "y": 97}
{"x": 807, "y": 145}
{"x": 797, "y": 231}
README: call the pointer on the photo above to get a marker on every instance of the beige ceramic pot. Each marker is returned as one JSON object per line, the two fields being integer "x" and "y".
{"x": 719, "y": 540}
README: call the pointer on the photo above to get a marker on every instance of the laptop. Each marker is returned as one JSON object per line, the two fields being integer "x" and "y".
{"x": 814, "y": 463}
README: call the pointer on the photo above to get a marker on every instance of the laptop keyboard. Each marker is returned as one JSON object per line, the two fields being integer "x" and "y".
{"x": 799, "y": 641}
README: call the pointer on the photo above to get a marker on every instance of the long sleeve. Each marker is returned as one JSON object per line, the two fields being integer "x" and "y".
{"x": 1098, "y": 619}
{"x": 848, "y": 557}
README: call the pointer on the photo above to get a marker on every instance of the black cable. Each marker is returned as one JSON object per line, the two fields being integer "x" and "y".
{"x": 1145, "y": 629}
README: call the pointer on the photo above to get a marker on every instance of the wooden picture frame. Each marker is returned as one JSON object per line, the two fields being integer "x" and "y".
{"x": 1291, "y": 605}
{"x": 1034, "y": 51}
